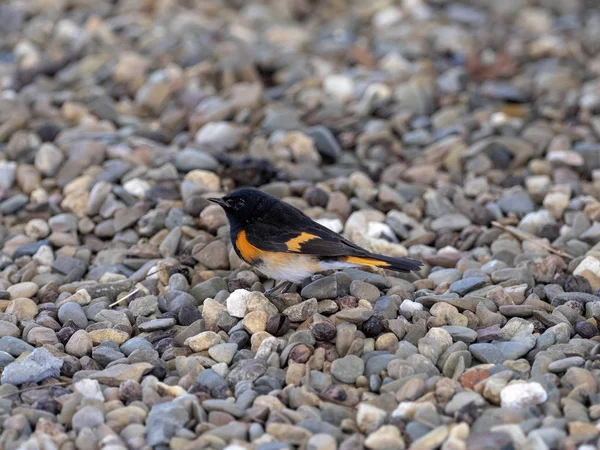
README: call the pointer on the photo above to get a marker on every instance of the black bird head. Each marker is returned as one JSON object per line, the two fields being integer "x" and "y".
{"x": 244, "y": 205}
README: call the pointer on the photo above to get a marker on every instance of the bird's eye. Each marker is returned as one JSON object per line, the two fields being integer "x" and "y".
{"x": 239, "y": 204}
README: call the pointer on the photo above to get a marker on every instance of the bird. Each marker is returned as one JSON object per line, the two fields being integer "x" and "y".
{"x": 288, "y": 246}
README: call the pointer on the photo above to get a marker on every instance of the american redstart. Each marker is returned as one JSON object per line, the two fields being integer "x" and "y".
{"x": 285, "y": 244}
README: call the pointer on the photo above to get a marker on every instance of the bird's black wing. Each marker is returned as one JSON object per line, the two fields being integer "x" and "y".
{"x": 286, "y": 229}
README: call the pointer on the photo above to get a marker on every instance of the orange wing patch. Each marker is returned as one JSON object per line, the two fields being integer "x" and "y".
{"x": 248, "y": 251}
{"x": 366, "y": 261}
{"x": 295, "y": 244}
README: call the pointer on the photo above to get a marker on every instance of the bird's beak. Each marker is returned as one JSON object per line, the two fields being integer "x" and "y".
{"x": 218, "y": 201}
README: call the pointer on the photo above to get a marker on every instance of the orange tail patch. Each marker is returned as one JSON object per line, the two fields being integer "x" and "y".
{"x": 366, "y": 261}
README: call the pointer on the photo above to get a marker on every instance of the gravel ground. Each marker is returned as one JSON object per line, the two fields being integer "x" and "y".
{"x": 463, "y": 134}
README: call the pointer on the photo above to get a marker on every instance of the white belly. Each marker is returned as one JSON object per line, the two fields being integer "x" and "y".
{"x": 296, "y": 268}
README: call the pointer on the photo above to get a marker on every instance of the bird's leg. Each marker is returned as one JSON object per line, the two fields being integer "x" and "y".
{"x": 288, "y": 285}
{"x": 278, "y": 287}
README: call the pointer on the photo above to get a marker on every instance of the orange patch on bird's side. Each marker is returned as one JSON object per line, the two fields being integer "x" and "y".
{"x": 366, "y": 261}
{"x": 248, "y": 251}
{"x": 295, "y": 244}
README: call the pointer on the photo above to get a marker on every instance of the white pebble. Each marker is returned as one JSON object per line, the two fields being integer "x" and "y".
{"x": 334, "y": 225}
{"x": 522, "y": 395}
{"x": 89, "y": 389}
{"x": 339, "y": 86}
{"x": 237, "y": 303}
{"x": 408, "y": 306}
{"x": 137, "y": 187}
{"x": 589, "y": 264}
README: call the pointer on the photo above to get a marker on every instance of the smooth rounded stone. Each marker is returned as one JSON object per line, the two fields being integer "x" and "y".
{"x": 98, "y": 195}
{"x": 488, "y": 440}
{"x": 321, "y": 289}
{"x": 41, "y": 336}
{"x": 222, "y": 405}
{"x": 135, "y": 343}
{"x": 462, "y": 334}
{"x": 48, "y": 159}
{"x": 432, "y": 439}
{"x": 376, "y": 363}
{"x": 377, "y": 280}
{"x": 250, "y": 369}
{"x": 461, "y": 399}
{"x": 65, "y": 265}
{"x": 444, "y": 276}
{"x": 519, "y": 203}
{"x": 144, "y": 306}
{"x": 515, "y": 350}
{"x": 214, "y": 255}
{"x": 105, "y": 355}
{"x": 387, "y": 437}
{"x": 108, "y": 334}
{"x": 25, "y": 289}
{"x": 219, "y": 136}
{"x": 9, "y": 329}
{"x": 74, "y": 312}
{"x": 87, "y": 417}
{"x": 237, "y": 303}
{"x": 119, "y": 373}
{"x": 354, "y": 315}
{"x": 562, "y": 365}
{"x": 223, "y": 352}
{"x": 348, "y": 368}
{"x": 487, "y": 353}
{"x": 466, "y": 285}
{"x": 203, "y": 341}
{"x": 581, "y": 297}
{"x": 523, "y": 395}
{"x": 22, "y": 308}
{"x": 452, "y": 299}
{"x": 114, "y": 317}
{"x": 255, "y": 321}
{"x": 290, "y": 434}
{"x": 156, "y": 324}
{"x": 208, "y": 289}
{"x": 301, "y": 311}
{"x": 408, "y": 308}
{"x": 324, "y": 141}
{"x": 369, "y": 418}
{"x": 210, "y": 381}
{"x": 191, "y": 159}
{"x": 178, "y": 282}
{"x": 14, "y": 346}
{"x": 35, "y": 367}
{"x": 173, "y": 301}
{"x": 13, "y": 204}
{"x": 586, "y": 330}
{"x": 416, "y": 430}
{"x": 453, "y": 222}
{"x": 516, "y": 310}
{"x": 188, "y": 315}
{"x": 363, "y": 290}
{"x": 5, "y": 359}
{"x": 163, "y": 421}
{"x": 80, "y": 344}
{"x": 321, "y": 441}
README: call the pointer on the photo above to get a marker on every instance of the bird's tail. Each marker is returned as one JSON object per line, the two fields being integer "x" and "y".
{"x": 386, "y": 262}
